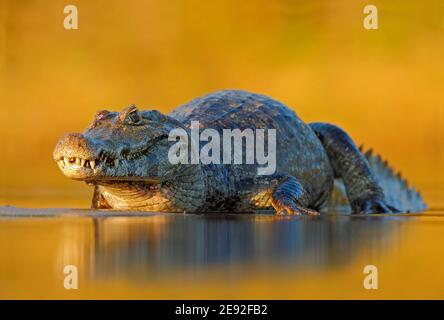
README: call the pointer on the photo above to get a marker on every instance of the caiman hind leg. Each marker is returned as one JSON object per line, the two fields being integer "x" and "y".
{"x": 363, "y": 191}
{"x": 283, "y": 192}
{"x": 98, "y": 201}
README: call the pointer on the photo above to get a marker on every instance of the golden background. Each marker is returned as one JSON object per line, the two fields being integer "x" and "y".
{"x": 385, "y": 86}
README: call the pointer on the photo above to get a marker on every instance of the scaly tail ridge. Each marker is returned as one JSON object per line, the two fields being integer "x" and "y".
{"x": 396, "y": 189}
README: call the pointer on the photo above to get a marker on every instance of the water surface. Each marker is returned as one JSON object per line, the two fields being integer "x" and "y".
{"x": 152, "y": 255}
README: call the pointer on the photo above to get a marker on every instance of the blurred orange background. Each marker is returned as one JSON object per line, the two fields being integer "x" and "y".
{"x": 385, "y": 86}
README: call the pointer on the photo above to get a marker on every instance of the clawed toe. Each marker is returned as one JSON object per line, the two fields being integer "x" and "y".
{"x": 292, "y": 209}
{"x": 372, "y": 206}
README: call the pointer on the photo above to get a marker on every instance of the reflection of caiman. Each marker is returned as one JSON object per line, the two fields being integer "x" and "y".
{"x": 125, "y": 156}
{"x": 164, "y": 243}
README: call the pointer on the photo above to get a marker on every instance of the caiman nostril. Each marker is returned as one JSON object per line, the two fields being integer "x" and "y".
{"x": 72, "y": 146}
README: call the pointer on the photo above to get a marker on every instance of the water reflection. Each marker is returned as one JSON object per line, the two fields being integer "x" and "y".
{"x": 147, "y": 247}
{"x": 116, "y": 245}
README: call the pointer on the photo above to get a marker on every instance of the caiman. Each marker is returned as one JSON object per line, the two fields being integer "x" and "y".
{"x": 124, "y": 155}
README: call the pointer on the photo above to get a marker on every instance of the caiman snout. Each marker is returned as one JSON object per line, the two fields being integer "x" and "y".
{"x": 75, "y": 155}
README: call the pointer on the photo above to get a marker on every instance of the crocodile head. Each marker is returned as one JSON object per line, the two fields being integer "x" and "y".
{"x": 125, "y": 156}
{"x": 126, "y": 146}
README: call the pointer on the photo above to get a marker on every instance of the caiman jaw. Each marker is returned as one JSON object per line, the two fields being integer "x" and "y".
{"x": 81, "y": 159}
{"x": 80, "y": 168}
{"x": 85, "y": 169}
{"x": 76, "y": 163}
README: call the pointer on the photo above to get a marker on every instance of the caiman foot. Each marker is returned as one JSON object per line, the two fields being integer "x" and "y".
{"x": 290, "y": 198}
{"x": 370, "y": 206}
{"x": 284, "y": 207}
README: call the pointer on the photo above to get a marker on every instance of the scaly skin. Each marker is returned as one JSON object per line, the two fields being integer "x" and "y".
{"x": 125, "y": 156}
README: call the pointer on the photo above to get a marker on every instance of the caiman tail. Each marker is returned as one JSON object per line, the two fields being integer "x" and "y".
{"x": 396, "y": 189}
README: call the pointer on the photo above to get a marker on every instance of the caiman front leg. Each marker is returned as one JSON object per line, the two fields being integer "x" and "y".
{"x": 286, "y": 194}
{"x": 98, "y": 201}
{"x": 363, "y": 191}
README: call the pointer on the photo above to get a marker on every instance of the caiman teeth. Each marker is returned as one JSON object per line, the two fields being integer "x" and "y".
{"x": 66, "y": 162}
{"x": 88, "y": 163}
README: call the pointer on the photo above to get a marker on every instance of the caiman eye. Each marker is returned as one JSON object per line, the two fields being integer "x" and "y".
{"x": 101, "y": 114}
{"x": 133, "y": 117}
